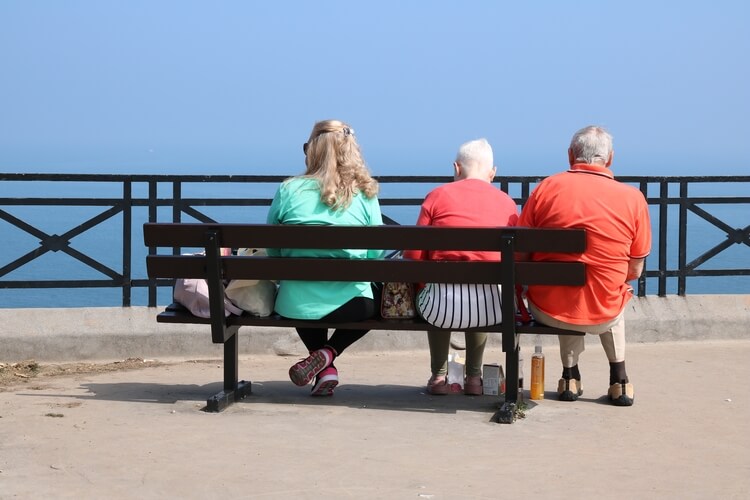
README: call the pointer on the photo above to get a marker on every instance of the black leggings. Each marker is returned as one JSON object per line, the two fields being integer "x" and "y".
{"x": 357, "y": 309}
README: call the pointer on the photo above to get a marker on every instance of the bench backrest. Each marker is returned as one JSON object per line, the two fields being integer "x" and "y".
{"x": 508, "y": 241}
{"x": 215, "y": 268}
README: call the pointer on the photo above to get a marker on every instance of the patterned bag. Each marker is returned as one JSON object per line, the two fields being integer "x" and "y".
{"x": 397, "y": 301}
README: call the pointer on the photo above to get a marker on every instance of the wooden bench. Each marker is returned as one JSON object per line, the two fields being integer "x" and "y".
{"x": 215, "y": 268}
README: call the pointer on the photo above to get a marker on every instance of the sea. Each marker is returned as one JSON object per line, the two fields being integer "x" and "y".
{"x": 22, "y": 227}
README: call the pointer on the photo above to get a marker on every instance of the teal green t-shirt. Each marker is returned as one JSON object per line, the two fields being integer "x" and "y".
{"x": 297, "y": 201}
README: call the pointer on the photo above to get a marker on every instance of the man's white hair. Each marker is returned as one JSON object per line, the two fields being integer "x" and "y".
{"x": 591, "y": 145}
{"x": 476, "y": 154}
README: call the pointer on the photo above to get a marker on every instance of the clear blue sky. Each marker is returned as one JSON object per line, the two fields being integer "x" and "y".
{"x": 234, "y": 86}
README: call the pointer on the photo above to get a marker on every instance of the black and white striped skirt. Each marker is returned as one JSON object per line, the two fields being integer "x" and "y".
{"x": 460, "y": 305}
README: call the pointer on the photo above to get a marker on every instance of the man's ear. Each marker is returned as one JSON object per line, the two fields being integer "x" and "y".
{"x": 609, "y": 160}
{"x": 571, "y": 158}
{"x": 456, "y": 170}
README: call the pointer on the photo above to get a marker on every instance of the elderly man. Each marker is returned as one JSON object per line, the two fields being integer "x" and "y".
{"x": 618, "y": 230}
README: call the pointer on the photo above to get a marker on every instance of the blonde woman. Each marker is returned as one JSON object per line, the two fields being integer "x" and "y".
{"x": 336, "y": 189}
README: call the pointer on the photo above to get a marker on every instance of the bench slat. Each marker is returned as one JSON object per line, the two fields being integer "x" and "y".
{"x": 280, "y": 268}
{"x": 182, "y": 316}
{"x": 372, "y": 237}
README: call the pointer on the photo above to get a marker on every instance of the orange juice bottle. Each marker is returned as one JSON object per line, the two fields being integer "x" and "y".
{"x": 536, "y": 390}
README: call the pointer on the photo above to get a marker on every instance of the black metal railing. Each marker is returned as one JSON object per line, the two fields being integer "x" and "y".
{"x": 684, "y": 211}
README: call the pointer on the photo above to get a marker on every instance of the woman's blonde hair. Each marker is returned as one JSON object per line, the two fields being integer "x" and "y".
{"x": 333, "y": 157}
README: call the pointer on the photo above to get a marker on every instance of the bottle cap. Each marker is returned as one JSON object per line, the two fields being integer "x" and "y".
{"x": 538, "y": 348}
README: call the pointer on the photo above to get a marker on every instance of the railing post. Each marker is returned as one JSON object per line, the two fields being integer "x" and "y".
{"x": 663, "y": 216}
{"x": 642, "y": 277}
{"x": 127, "y": 244}
{"x": 176, "y": 207}
{"x": 152, "y": 216}
{"x": 682, "y": 238}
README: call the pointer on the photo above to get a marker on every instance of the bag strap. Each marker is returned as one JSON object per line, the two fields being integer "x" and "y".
{"x": 523, "y": 314}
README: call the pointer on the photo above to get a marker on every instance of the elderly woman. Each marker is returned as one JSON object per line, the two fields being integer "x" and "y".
{"x": 470, "y": 200}
{"x": 336, "y": 189}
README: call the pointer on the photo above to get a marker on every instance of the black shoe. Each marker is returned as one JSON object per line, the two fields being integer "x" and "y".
{"x": 568, "y": 389}
{"x": 621, "y": 394}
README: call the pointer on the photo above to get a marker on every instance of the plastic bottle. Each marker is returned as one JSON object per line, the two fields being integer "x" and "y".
{"x": 537, "y": 374}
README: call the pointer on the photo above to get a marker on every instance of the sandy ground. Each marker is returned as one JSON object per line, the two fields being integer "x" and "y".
{"x": 137, "y": 430}
{"x": 30, "y": 372}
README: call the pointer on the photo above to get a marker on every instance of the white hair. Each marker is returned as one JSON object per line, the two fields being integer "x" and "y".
{"x": 475, "y": 155}
{"x": 591, "y": 145}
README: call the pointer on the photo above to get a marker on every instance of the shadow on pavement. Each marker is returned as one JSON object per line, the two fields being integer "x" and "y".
{"x": 283, "y": 393}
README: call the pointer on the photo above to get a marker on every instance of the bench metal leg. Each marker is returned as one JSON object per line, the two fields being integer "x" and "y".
{"x": 507, "y": 412}
{"x": 234, "y": 389}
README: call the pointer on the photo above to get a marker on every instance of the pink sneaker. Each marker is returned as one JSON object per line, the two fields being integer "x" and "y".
{"x": 325, "y": 382}
{"x": 303, "y": 372}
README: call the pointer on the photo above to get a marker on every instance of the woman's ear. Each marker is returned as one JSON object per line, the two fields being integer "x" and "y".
{"x": 491, "y": 174}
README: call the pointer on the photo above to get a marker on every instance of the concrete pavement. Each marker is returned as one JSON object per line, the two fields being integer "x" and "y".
{"x": 142, "y": 434}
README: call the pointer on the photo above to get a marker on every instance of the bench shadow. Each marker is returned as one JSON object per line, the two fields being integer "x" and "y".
{"x": 373, "y": 397}
{"x": 137, "y": 392}
{"x": 386, "y": 397}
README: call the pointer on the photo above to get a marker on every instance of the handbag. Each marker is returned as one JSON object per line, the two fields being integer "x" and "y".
{"x": 397, "y": 301}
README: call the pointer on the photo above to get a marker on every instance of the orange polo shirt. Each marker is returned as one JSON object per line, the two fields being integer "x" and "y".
{"x": 618, "y": 228}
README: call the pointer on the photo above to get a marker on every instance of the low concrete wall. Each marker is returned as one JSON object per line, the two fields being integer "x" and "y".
{"x": 80, "y": 334}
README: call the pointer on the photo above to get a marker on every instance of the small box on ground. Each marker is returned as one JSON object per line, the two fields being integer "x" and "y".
{"x": 491, "y": 376}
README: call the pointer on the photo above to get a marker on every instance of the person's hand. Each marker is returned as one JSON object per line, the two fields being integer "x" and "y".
{"x": 635, "y": 269}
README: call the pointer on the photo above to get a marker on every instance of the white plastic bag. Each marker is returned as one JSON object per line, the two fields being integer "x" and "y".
{"x": 254, "y": 296}
{"x": 257, "y": 297}
{"x": 455, "y": 370}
